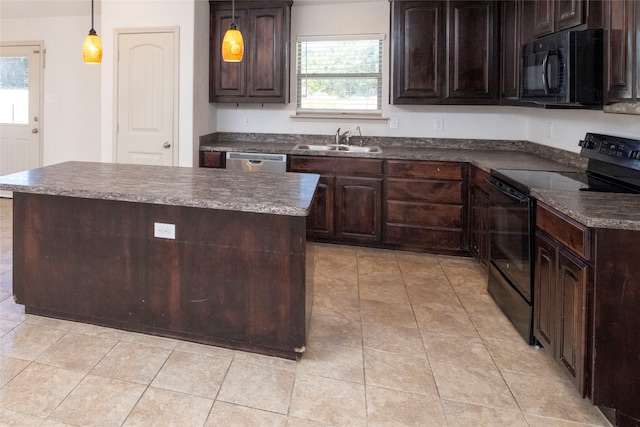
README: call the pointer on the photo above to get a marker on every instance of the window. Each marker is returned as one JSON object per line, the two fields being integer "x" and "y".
{"x": 14, "y": 90}
{"x": 338, "y": 75}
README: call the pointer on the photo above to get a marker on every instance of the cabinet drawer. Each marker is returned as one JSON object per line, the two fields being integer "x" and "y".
{"x": 211, "y": 159}
{"x": 427, "y": 214}
{"x": 570, "y": 233}
{"x": 425, "y": 190}
{"x": 418, "y": 169}
{"x": 423, "y": 237}
{"x": 335, "y": 165}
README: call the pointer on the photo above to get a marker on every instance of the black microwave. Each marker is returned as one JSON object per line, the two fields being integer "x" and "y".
{"x": 563, "y": 68}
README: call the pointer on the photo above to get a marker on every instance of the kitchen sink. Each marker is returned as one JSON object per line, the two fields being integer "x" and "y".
{"x": 336, "y": 147}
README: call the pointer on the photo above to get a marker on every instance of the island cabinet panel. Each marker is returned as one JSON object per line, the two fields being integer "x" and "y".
{"x": 616, "y": 341}
{"x": 229, "y": 278}
{"x": 425, "y": 206}
{"x": 347, "y": 207}
{"x": 562, "y": 285}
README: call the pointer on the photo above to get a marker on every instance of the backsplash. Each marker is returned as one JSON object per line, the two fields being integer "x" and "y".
{"x": 556, "y": 154}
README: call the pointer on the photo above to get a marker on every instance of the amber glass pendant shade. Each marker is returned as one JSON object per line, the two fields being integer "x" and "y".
{"x": 232, "y": 45}
{"x": 92, "y": 48}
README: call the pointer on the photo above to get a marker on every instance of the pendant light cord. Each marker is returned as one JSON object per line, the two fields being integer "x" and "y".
{"x": 92, "y": 15}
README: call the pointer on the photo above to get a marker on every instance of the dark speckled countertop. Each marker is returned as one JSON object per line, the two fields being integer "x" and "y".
{"x": 598, "y": 210}
{"x": 259, "y": 192}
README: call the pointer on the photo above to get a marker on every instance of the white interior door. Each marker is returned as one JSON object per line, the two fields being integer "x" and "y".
{"x": 20, "y": 140}
{"x": 147, "y": 110}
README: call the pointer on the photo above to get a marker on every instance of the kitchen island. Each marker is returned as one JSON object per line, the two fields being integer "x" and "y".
{"x": 211, "y": 256}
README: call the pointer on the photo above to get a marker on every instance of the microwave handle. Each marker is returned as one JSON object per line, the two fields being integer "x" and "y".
{"x": 545, "y": 82}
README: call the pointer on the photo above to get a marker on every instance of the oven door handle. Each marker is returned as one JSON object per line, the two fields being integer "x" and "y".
{"x": 508, "y": 190}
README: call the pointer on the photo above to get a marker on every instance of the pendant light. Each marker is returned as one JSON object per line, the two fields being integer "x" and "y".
{"x": 232, "y": 43}
{"x": 92, "y": 46}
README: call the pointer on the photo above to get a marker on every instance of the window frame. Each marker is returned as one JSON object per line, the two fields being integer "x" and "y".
{"x": 343, "y": 113}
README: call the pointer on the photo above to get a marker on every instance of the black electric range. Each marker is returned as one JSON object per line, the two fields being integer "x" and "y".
{"x": 613, "y": 166}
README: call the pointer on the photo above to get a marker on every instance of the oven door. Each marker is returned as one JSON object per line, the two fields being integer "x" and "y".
{"x": 511, "y": 220}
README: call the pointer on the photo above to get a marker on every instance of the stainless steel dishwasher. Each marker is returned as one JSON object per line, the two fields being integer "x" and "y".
{"x": 257, "y": 162}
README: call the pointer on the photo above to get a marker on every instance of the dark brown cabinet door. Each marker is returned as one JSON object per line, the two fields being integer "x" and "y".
{"x": 620, "y": 50}
{"x": 359, "y": 206}
{"x": 472, "y": 51}
{"x": 263, "y": 74}
{"x": 544, "y": 308}
{"x": 510, "y": 48}
{"x": 445, "y": 52}
{"x": 418, "y": 50}
{"x": 571, "y": 300}
{"x": 212, "y": 159}
{"x": 543, "y": 17}
{"x": 479, "y": 224}
{"x": 568, "y": 13}
{"x": 320, "y": 222}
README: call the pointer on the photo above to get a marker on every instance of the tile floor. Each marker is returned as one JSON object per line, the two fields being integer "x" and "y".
{"x": 396, "y": 339}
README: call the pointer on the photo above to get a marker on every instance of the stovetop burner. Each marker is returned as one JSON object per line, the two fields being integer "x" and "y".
{"x": 614, "y": 167}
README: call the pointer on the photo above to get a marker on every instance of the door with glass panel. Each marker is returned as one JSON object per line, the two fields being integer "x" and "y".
{"x": 20, "y": 142}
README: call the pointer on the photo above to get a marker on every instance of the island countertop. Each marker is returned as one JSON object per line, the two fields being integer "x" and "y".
{"x": 258, "y": 192}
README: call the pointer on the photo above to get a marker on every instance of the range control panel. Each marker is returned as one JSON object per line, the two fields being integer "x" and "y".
{"x": 611, "y": 149}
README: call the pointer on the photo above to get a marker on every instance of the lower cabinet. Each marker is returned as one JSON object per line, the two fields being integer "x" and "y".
{"x": 478, "y": 214}
{"x": 212, "y": 159}
{"x": 348, "y": 202}
{"x": 425, "y": 206}
{"x": 561, "y": 289}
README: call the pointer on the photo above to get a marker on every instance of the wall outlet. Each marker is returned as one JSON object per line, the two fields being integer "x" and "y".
{"x": 393, "y": 122}
{"x": 247, "y": 121}
{"x": 438, "y": 124}
{"x": 164, "y": 231}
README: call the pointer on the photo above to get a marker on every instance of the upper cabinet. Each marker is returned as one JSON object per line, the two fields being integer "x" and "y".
{"x": 445, "y": 52}
{"x": 621, "y": 45}
{"x": 555, "y": 15}
{"x": 263, "y": 74}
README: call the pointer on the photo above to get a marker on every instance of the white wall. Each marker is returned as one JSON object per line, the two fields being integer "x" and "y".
{"x": 486, "y": 122}
{"x": 71, "y": 126}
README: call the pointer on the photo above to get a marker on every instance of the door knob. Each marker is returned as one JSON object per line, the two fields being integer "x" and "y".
{"x": 34, "y": 130}
{"x": 167, "y": 144}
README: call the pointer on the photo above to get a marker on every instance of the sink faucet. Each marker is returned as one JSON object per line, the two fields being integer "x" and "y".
{"x": 338, "y": 137}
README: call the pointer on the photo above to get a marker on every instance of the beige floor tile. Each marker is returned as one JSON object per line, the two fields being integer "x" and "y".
{"x": 391, "y": 292}
{"x": 39, "y": 389}
{"x": 496, "y": 327}
{"x": 460, "y": 414}
{"x": 150, "y": 340}
{"x": 259, "y": 387}
{"x": 31, "y": 319}
{"x": 477, "y": 385}
{"x": 328, "y": 401}
{"x": 552, "y": 397}
{"x": 299, "y": 422}
{"x": 399, "y": 372}
{"x": 99, "y": 402}
{"x": 521, "y": 358}
{"x": 333, "y": 361}
{"x": 162, "y": 408}
{"x": 397, "y": 408}
{"x": 191, "y": 373}
{"x": 537, "y": 421}
{"x": 478, "y": 302}
{"x": 335, "y": 330}
{"x": 226, "y": 414}
{"x": 444, "y": 318}
{"x": 9, "y": 418}
{"x": 7, "y": 326}
{"x": 260, "y": 359}
{"x": 432, "y": 292}
{"x": 393, "y": 339}
{"x": 52, "y": 423}
{"x": 132, "y": 362}
{"x": 11, "y": 311}
{"x": 29, "y": 341}
{"x": 458, "y": 349}
{"x": 337, "y": 302}
{"x": 387, "y": 313}
{"x": 101, "y": 331}
{"x": 206, "y": 350}
{"x": 77, "y": 351}
{"x": 10, "y": 367}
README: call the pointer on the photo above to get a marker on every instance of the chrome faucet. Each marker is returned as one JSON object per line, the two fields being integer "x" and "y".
{"x": 338, "y": 137}
{"x": 359, "y": 135}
